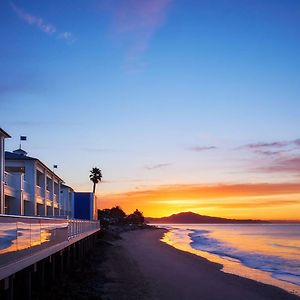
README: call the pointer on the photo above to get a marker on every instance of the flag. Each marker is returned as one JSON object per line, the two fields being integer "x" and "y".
{"x": 23, "y": 138}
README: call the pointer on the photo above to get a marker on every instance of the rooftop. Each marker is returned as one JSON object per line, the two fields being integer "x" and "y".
{"x": 21, "y": 155}
{"x": 4, "y": 133}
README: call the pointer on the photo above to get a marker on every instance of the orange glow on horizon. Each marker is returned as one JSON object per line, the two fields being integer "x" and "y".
{"x": 280, "y": 201}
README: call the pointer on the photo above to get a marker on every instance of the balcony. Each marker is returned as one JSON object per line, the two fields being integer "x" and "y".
{"x": 9, "y": 179}
{"x": 11, "y": 184}
{"x": 38, "y": 191}
{"x": 26, "y": 186}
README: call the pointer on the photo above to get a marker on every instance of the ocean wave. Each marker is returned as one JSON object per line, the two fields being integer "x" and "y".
{"x": 279, "y": 267}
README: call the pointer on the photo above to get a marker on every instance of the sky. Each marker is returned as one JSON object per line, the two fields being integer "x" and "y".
{"x": 184, "y": 105}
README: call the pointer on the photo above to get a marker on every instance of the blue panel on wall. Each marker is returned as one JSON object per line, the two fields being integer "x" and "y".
{"x": 82, "y": 206}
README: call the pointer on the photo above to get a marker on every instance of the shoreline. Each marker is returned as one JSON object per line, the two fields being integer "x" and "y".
{"x": 233, "y": 267}
{"x": 143, "y": 267}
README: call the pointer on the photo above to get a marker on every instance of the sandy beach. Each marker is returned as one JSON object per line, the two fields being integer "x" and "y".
{"x": 140, "y": 266}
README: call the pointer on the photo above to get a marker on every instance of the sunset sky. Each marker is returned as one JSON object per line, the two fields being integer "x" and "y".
{"x": 185, "y": 105}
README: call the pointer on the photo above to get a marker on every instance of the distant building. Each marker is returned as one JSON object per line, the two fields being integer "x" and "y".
{"x": 67, "y": 201}
{"x": 85, "y": 206}
{"x": 3, "y": 136}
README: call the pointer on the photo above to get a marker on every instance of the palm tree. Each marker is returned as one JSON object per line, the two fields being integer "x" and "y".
{"x": 95, "y": 177}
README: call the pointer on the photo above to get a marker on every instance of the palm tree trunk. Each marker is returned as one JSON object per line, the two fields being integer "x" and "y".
{"x": 94, "y": 188}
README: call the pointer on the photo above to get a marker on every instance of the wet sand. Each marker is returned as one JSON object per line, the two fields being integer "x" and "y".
{"x": 140, "y": 266}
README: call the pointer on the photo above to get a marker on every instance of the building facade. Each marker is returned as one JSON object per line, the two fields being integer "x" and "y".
{"x": 31, "y": 188}
{"x": 67, "y": 201}
{"x": 3, "y": 136}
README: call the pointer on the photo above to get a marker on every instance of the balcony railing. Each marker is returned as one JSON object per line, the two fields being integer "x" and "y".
{"x": 22, "y": 236}
{"x": 26, "y": 186}
{"x": 38, "y": 191}
{"x": 9, "y": 179}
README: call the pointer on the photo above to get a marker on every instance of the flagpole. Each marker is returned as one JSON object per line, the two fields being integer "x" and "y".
{"x": 22, "y": 138}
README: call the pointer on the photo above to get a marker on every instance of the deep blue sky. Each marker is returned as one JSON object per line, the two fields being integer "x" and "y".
{"x": 154, "y": 92}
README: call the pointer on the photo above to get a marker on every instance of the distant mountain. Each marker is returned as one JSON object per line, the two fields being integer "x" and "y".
{"x": 193, "y": 218}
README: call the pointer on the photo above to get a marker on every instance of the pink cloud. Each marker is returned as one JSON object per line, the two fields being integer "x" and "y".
{"x": 202, "y": 148}
{"x": 286, "y": 165}
{"x": 135, "y": 22}
{"x": 140, "y": 15}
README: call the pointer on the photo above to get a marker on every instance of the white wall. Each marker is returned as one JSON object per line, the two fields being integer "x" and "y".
{"x": 1, "y": 174}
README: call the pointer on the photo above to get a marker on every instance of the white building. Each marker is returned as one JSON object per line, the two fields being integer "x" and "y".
{"x": 31, "y": 188}
{"x": 28, "y": 187}
{"x": 3, "y": 136}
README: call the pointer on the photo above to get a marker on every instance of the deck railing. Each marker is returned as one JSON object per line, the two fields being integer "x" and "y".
{"x": 9, "y": 179}
{"x": 21, "y": 236}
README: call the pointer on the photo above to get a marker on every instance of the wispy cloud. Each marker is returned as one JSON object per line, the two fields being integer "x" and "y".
{"x": 270, "y": 152}
{"x": 33, "y": 20}
{"x": 270, "y": 145}
{"x": 134, "y": 24}
{"x": 231, "y": 204}
{"x": 277, "y": 156}
{"x": 67, "y": 36}
{"x": 202, "y": 148}
{"x": 283, "y": 165}
{"x": 157, "y": 166}
{"x": 265, "y": 145}
{"x": 220, "y": 191}
{"x": 41, "y": 24}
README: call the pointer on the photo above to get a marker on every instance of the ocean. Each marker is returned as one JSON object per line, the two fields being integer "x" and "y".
{"x": 268, "y": 253}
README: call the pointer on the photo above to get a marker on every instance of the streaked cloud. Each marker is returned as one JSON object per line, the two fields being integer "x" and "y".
{"x": 270, "y": 152}
{"x": 257, "y": 204}
{"x": 202, "y": 148}
{"x": 134, "y": 23}
{"x": 270, "y": 145}
{"x": 41, "y": 24}
{"x": 157, "y": 166}
{"x": 33, "y": 20}
{"x": 266, "y": 145}
{"x": 257, "y": 200}
{"x": 286, "y": 165}
{"x": 231, "y": 204}
{"x": 275, "y": 157}
{"x": 220, "y": 191}
{"x": 67, "y": 36}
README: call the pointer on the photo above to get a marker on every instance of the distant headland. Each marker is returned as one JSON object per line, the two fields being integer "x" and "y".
{"x": 193, "y": 218}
